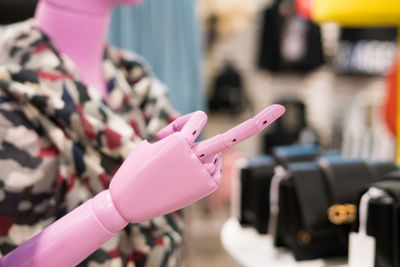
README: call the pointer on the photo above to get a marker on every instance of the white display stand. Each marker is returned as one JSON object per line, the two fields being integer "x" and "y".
{"x": 251, "y": 249}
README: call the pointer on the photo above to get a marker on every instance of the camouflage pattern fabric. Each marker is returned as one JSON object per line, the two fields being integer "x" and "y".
{"x": 60, "y": 143}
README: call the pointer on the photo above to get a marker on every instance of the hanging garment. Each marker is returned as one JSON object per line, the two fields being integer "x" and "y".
{"x": 16, "y": 10}
{"x": 365, "y": 51}
{"x": 289, "y": 42}
{"x": 167, "y": 34}
{"x": 365, "y": 134}
{"x": 61, "y": 143}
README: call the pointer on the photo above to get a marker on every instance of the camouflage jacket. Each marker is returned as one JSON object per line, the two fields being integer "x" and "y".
{"x": 60, "y": 143}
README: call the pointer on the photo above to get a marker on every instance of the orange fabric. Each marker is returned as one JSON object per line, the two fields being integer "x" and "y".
{"x": 391, "y": 99}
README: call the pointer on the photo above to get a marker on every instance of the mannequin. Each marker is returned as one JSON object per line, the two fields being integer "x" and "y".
{"x": 79, "y": 29}
{"x": 155, "y": 179}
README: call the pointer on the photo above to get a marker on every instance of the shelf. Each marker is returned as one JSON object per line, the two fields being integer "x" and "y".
{"x": 251, "y": 249}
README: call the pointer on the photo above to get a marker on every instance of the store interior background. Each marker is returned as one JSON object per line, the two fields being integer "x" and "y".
{"x": 330, "y": 99}
{"x": 187, "y": 54}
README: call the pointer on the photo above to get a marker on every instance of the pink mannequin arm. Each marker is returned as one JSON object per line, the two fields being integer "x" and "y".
{"x": 72, "y": 238}
{"x": 154, "y": 180}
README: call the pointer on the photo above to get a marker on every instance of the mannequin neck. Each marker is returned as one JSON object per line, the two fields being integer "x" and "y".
{"x": 78, "y": 29}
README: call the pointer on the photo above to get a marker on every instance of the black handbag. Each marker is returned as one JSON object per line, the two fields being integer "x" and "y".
{"x": 315, "y": 206}
{"x": 255, "y": 176}
{"x": 383, "y": 221}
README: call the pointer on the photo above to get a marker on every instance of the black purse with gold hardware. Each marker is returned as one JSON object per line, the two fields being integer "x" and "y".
{"x": 255, "y": 176}
{"x": 316, "y": 204}
{"x": 383, "y": 221}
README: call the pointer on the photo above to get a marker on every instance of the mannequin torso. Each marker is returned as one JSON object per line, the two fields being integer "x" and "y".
{"x": 79, "y": 30}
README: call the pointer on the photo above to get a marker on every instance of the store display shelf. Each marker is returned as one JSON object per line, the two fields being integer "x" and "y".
{"x": 251, "y": 249}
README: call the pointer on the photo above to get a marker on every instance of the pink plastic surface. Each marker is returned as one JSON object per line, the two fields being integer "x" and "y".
{"x": 239, "y": 133}
{"x": 79, "y": 29}
{"x": 154, "y": 180}
{"x": 190, "y": 125}
{"x": 165, "y": 176}
{"x": 92, "y": 6}
{"x": 72, "y": 238}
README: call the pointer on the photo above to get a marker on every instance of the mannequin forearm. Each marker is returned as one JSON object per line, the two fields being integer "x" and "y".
{"x": 72, "y": 238}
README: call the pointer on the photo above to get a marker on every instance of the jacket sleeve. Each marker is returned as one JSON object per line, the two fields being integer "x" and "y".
{"x": 29, "y": 166}
{"x": 32, "y": 195}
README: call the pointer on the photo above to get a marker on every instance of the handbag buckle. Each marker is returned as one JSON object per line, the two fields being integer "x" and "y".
{"x": 342, "y": 213}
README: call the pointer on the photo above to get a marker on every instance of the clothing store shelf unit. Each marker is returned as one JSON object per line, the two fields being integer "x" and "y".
{"x": 359, "y": 13}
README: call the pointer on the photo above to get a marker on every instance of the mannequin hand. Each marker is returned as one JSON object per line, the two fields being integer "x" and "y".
{"x": 174, "y": 172}
{"x": 165, "y": 176}
{"x": 190, "y": 126}
{"x": 155, "y": 179}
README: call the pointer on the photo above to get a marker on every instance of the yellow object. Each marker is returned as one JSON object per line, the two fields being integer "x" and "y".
{"x": 357, "y": 12}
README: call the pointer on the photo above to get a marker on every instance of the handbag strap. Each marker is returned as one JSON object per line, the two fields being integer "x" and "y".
{"x": 372, "y": 193}
{"x": 280, "y": 175}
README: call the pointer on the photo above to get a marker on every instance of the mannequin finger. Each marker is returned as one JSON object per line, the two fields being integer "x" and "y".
{"x": 173, "y": 127}
{"x": 193, "y": 127}
{"x": 212, "y": 164}
{"x": 238, "y": 133}
{"x": 208, "y": 159}
{"x": 217, "y": 164}
{"x": 217, "y": 175}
